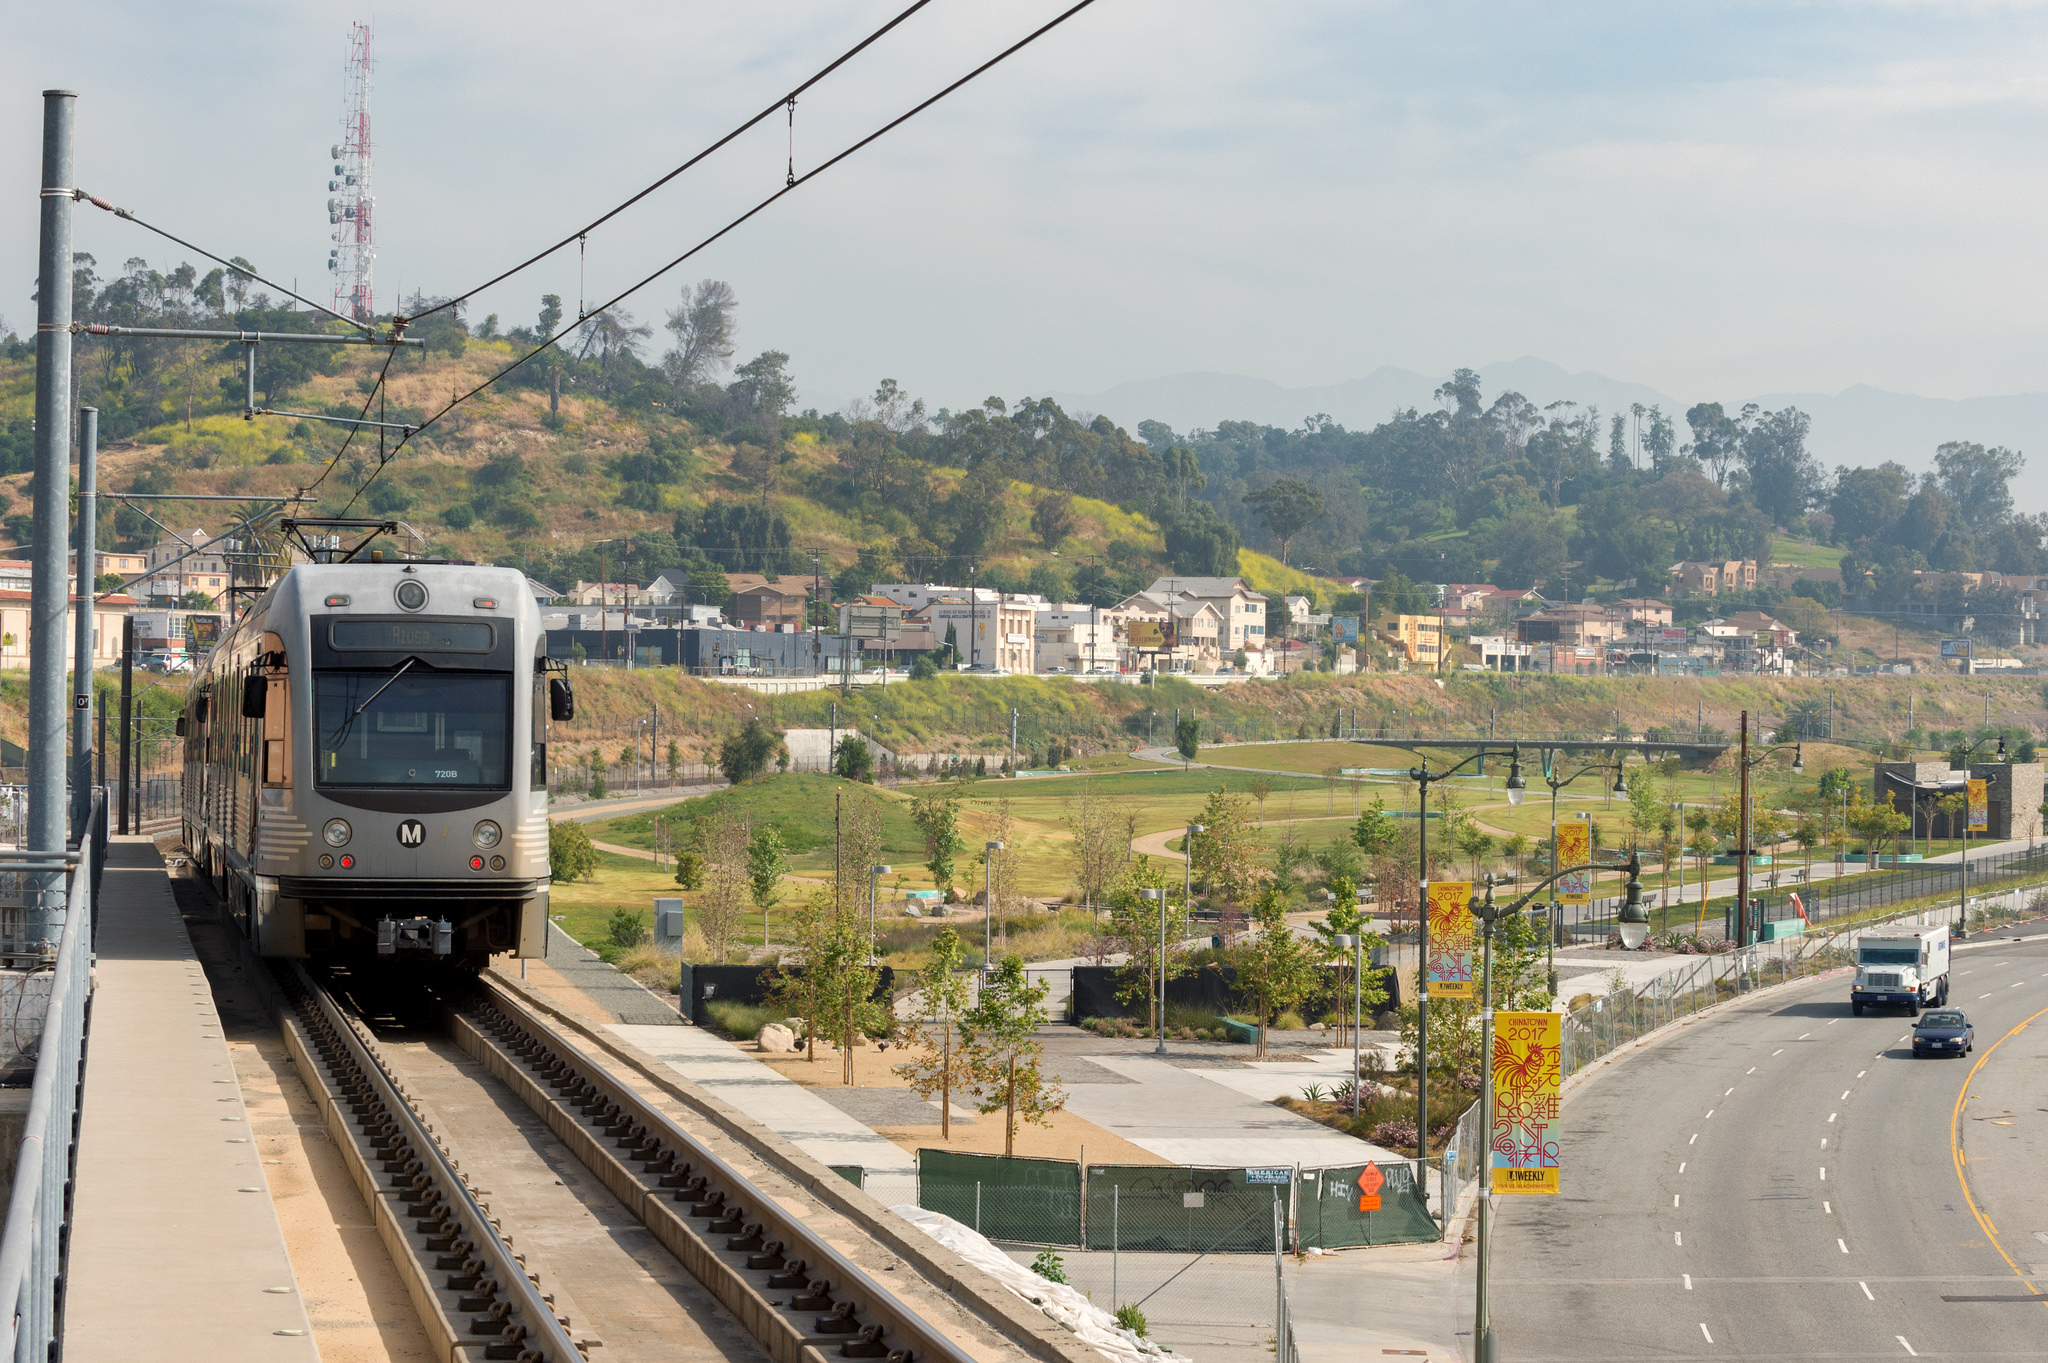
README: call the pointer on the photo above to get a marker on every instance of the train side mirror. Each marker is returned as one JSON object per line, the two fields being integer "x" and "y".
{"x": 561, "y": 700}
{"x": 199, "y": 707}
{"x": 181, "y": 726}
{"x": 255, "y": 696}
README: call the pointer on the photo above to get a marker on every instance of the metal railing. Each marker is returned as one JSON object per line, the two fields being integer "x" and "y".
{"x": 32, "y": 1243}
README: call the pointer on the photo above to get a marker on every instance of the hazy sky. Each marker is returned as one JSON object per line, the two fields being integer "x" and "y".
{"x": 1715, "y": 198}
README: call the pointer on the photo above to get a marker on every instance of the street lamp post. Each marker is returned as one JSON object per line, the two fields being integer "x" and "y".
{"x": 1357, "y": 944}
{"x": 1554, "y": 917}
{"x": 1633, "y": 917}
{"x": 875, "y": 873}
{"x": 1963, "y": 901}
{"x": 1745, "y": 852}
{"x": 1423, "y": 777}
{"x": 988, "y": 903}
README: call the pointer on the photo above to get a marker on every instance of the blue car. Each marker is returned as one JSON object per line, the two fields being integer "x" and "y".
{"x": 1944, "y": 1031}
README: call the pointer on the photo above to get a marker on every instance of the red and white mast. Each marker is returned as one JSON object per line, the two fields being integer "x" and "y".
{"x": 352, "y": 209}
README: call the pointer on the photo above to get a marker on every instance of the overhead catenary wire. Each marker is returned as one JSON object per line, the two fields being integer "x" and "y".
{"x": 97, "y": 202}
{"x": 724, "y": 231}
{"x": 610, "y": 213}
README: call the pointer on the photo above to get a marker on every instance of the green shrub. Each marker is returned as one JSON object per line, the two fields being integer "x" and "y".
{"x": 570, "y": 855}
{"x": 689, "y": 870}
{"x": 1049, "y": 1267}
{"x": 628, "y": 929}
{"x": 1132, "y": 1319}
{"x": 740, "y": 1021}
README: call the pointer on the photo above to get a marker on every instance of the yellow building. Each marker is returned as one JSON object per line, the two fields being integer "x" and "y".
{"x": 1421, "y": 638}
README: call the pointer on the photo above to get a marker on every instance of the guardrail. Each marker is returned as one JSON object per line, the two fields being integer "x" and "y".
{"x": 32, "y": 1244}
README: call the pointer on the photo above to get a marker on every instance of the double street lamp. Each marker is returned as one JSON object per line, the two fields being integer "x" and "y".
{"x": 1963, "y": 895}
{"x": 1553, "y": 915}
{"x": 988, "y": 903}
{"x": 1745, "y": 853}
{"x": 1186, "y": 898}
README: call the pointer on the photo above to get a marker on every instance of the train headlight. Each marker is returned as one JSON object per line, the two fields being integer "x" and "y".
{"x": 412, "y": 595}
{"x": 336, "y": 832}
{"x": 488, "y": 835}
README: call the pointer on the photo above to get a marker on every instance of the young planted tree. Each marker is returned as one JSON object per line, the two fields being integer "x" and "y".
{"x": 829, "y": 984}
{"x": 938, "y": 818}
{"x": 675, "y": 762}
{"x": 1260, "y": 788}
{"x": 1134, "y": 928}
{"x": 1516, "y": 847}
{"x": 1093, "y": 847}
{"x": 724, "y": 900}
{"x": 746, "y": 754}
{"x": 938, "y": 1000}
{"x": 767, "y": 863}
{"x": 1475, "y": 842}
{"x": 1274, "y": 965}
{"x": 1376, "y": 832}
{"x": 999, "y": 1033}
{"x": 1226, "y": 856}
{"x": 1187, "y": 737}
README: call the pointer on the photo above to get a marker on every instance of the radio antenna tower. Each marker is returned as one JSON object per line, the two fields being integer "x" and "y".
{"x": 351, "y": 212}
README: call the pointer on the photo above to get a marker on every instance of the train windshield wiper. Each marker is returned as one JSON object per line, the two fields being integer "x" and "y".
{"x": 341, "y": 733}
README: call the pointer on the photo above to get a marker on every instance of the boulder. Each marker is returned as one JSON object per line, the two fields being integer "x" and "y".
{"x": 777, "y": 1039}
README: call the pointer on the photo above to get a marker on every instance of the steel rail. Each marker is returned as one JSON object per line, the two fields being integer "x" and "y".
{"x": 465, "y": 1279}
{"x": 786, "y": 1283}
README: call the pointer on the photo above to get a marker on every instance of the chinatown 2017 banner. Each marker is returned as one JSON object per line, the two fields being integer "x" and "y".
{"x": 1980, "y": 806}
{"x": 1575, "y": 848}
{"x": 1522, "y": 1148}
{"x": 1451, "y": 948}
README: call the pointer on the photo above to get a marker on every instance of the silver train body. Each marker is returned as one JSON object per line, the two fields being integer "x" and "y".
{"x": 366, "y": 763}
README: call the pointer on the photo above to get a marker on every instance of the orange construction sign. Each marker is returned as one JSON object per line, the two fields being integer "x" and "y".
{"x": 1370, "y": 1181}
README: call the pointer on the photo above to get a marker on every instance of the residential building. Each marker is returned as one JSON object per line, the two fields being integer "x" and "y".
{"x": 758, "y": 601}
{"x": 603, "y": 594}
{"x": 1569, "y": 626}
{"x": 1715, "y": 576}
{"x": 1241, "y": 610}
{"x": 1073, "y": 635}
{"x": 175, "y": 570}
{"x": 991, "y": 629}
{"x": 1466, "y": 596}
{"x": 1298, "y": 616}
{"x": 108, "y": 612}
{"x": 1642, "y": 610}
{"x": 1497, "y": 653}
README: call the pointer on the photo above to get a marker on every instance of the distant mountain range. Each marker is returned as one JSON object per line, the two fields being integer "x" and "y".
{"x": 1859, "y": 425}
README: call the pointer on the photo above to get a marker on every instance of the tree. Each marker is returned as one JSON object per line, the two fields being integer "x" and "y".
{"x": 1517, "y": 847}
{"x": 831, "y": 984}
{"x": 704, "y": 327}
{"x": 1977, "y": 481}
{"x": 938, "y": 818}
{"x": 724, "y": 841}
{"x": 1531, "y": 548}
{"x": 1645, "y": 807}
{"x": 1288, "y": 507}
{"x": 1260, "y": 788}
{"x": 1094, "y": 846}
{"x": 1000, "y": 1035}
{"x": 746, "y": 754}
{"x": 570, "y": 855}
{"x": 936, "y": 1003}
{"x": 689, "y": 870}
{"x": 1376, "y": 833}
{"x": 1137, "y": 926}
{"x": 1275, "y": 966}
{"x": 853, "y": 759}
{"x": 1867, "y": 503}
{"x": 1876, "y": 824}
{"x": 1199, "y": 542}
{"x": 1187, "y": 737}
{"x": 1475, "y": 842}
{"x": 1226, "y": 856}
{"x": 596, "y": 763}
{"x": 1052, "y": 518}
{"x": 1783, "y": 476}
{"x": 675, "y": 762}
{"x": 767, "y": 863}
{"x": 763, "y": 386}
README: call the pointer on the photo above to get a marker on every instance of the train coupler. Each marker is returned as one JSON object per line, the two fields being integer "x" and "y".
{"x": 415, "y": 934}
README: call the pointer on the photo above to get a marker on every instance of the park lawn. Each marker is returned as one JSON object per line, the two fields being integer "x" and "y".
{"x": 584, "y": 907}
{"x": 1320, "y": 759}
{"x": 1785, "y": 549}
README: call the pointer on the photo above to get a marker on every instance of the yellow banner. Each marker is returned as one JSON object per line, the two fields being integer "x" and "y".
{"x": 1575, "y": 848}
{"x": 1451, "y": 951}
{"x": 1524, "y": 1127}
{"x": 1980, "y": 806}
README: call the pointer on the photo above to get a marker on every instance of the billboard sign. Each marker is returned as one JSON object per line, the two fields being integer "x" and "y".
{"x": 1346, "y": 627}
{"x": 1155, "y": 636}
{"x": 203, "y": 630}
{"x": 875, "y": 622}
{"x": 1955, "y": 648}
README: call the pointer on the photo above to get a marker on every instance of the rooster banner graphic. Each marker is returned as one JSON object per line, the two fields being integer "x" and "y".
{"x": 1451, "y": 953}
{"x": 1523, "y": 1126}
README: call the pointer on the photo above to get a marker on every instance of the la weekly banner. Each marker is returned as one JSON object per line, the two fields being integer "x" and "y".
{"x": 1575, "y": 848}
{"x": 1523, "y": 1149}
{"x": 1451, "y": 952}
{"x": 1980, "y": 806}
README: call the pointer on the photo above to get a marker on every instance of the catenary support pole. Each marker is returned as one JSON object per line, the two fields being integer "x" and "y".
{"x": 127, "y": 712}
{"x": 86, "y": 554}
{"x": 46, "y": 703}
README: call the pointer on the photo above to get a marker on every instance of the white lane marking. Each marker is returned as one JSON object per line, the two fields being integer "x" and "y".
{"x": 1966, "y": 972}
{"x": 1823, "y": 1173}
{"x": 1703, "y": 1330}
{"x": 1843, "y": 1243}
{"x": 2015, "y": 984}
{"x": 1681, "y": 1166}
{"x": 1828, "y": 1208}
{"x": 1823, "y": 1142}
{"x": 1695, "y": 1138}
{"x": 1710, "y": 1115}
{"x": 1674, "y": 1199}
{"x": 1983, "y": 996}
{"x": 1907, "y": 1347}
{"x": 1726, "y": 1092}
{"x": 1833, "y": 1115}
{"x": 1779, "y": 1051}
{"x": 1750, "y": 1070}
{"x": 1861, "y": 1073}
{"x": 1845, "y": 1093}
{"x": 1802, "y": 1036}
{"x": 1688, "y": 1280}
{"x": 1867, "y": 1292}
{"x": 1833, "y": 1021}
{"x": 1677, "y": 1238}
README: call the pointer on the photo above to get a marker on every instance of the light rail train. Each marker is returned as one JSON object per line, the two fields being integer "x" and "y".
{"x": 366, "y": 763}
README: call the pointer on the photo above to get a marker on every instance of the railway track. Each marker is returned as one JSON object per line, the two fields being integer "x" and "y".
{"x": 727, "y": 1255}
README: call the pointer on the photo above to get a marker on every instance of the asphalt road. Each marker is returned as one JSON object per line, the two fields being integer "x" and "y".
{"x": 1788, "y": 1182}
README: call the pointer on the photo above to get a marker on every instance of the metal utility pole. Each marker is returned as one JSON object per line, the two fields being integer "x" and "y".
{"x": 81, "y": 649}
{"x": 127, "y": 710}
{"x": 1742, "y": 851}
{"x": 1013, "y": 740}
{"x": 45, "y": 755}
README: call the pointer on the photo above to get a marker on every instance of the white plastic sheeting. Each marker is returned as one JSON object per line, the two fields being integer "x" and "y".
{"x": 1063, "y": 1304}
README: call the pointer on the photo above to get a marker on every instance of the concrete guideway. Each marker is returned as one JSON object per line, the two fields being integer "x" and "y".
{"x": 1787, "y": 1181}
{"x": 176, "y": 1251}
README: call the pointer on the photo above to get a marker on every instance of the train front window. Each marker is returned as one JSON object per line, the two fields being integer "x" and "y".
{"x": 412, "y": 727}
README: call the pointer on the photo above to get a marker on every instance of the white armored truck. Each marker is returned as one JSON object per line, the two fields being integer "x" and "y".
{"x": 1903, "y": 967}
